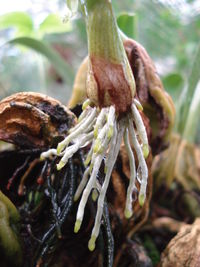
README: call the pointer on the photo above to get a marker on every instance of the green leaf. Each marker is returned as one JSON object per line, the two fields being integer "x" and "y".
{"x": 187, "y": 114}
{"x": 127, "y": 22}
{"x": 193, "y": 118}
{"x": 61, "y": 66}
{"x": 21, "y": 21}
{"x": 53, "y": 24}
{"x": 173, "y": 83}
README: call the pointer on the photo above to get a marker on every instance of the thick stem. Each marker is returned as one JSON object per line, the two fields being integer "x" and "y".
{"x": 110, "y": 79}
{"x": 103, "y": 36}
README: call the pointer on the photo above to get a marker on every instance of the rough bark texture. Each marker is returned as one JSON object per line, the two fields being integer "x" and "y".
{"x": 184, "y": 249}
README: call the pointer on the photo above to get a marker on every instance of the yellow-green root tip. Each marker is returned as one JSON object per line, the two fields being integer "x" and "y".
{"x": 77, "y": 226}
{"x": 97, "y": 146}
{"x": 96, "y": 129}
{"x": 94, "y": 195}
{"x": 60, "y": 165}
{"x": 141, "y": 199}
{"x": 86, "y": 104}
{"x": 110, "y": 132}
{"x": 87, "y": 161}
{"x": 42, "y": 158}
{"x": 138, "y": 105}
{"x": 91, "y": 167}
{"x": 145, "y": 150}
{"x": 75, "y": 198}
{"x": 128, "y": 213}
{"x": 91, "y": 243}
{"x": 60, "y": 148}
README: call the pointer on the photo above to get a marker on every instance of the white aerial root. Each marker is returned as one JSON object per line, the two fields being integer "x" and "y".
{"x": 48, "y": 154}
{"x": 105, "y": 131}
{"x": 132, "y": 187}
{"x": 141, "y": 163}
{"x": 140, "y": 129}
{"x": 111, "y": 159}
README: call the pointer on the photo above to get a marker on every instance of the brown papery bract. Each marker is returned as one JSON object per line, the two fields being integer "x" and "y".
{"x": 110, "y": 85}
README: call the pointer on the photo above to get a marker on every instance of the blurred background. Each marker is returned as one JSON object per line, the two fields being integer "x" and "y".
{"x": 41, "y": 49}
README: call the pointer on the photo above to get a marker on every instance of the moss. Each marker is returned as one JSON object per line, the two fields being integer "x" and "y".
{"x": 151, "y": 249}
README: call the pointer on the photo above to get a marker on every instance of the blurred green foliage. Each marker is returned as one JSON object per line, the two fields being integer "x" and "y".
{"x": 128, "y": 24}
{"x": 21, "y": 21}
{"x": 24, "y": 25}
{"x": 174, "y": 82}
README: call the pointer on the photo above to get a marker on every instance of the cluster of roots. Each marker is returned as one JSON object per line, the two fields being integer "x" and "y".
{"x": 104, "y": 131}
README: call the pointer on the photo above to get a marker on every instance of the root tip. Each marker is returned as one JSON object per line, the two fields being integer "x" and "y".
{"x": 145, "y": 150}
{"x": 91, "y": 243}
{"x": 86, "y": 104}
{"x": 77, "y": 226}
{"x": 87, "y": 161}
{"x": 96, "y": 132}
{"x": 94, "y": 195}
{"x": 128, "y": 213}
{"x": 59, "y": 148}
{"x": 97, "y": 146}
{"x": 60, "y": 165}
{"x": 141, "y": 199}
{"x": 110, "y": 132}
{"x": 42, "y": 158}
{"x": 76, "y": 198}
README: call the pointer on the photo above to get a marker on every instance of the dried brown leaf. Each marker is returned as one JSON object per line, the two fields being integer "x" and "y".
{"x": 181, "y": 161}
{"x": 158, "y": 105}
{"x": 33, "y": 120}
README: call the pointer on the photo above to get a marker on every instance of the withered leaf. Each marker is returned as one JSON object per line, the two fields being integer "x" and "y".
{"x": 30, "y": 119}
{"x": 180, "y": 162}
{"x": 158, "y": 105}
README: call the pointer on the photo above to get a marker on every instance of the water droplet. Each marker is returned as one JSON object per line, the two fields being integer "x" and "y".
{"x": 135, "y": 194}
{"x": 139, "y": 174}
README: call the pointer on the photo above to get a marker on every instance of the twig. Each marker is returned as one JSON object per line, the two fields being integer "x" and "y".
{"x": 10, "y": 181}
{"x": 22, "y": 181}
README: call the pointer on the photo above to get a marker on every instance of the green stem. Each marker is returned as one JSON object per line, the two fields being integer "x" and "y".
{"x": 107, "y": 57}
{"x": 187, "y": 114}
{"x": 103, "y": 36}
